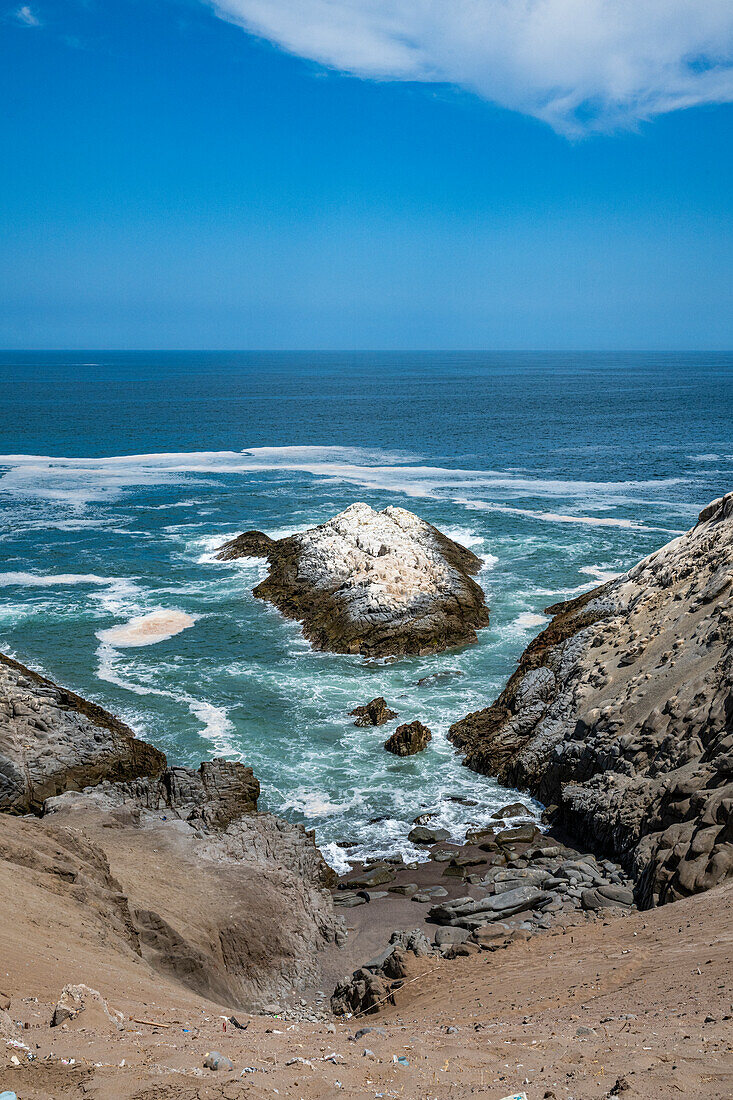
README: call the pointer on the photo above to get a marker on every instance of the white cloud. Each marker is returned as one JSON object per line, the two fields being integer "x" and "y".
{"x": 577, "y": 64}
{"x": 25, "y": 16}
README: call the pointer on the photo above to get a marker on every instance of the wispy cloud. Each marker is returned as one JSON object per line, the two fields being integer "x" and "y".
{"x": 27, "y": 17}
{"x": 577, "y": 64}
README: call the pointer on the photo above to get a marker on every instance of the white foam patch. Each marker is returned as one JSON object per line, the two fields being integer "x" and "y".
{"x": 336, "y": 857}
{"x": 559, "y": 517}
{"x": 80, "y": 481}
{"x": 49, "y": 580}
{"x": 314, "y": 804}
{"x": 528, "y": 620}
{"x": 217, "y": 726}
{"x": 156, "y": 626}
{"x": 600, "y": 574}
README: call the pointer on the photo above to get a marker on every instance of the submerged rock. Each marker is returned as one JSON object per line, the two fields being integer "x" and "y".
{"x": 409, "y": 739}
{"x": 620, "y": 714}
{"x": 374, "y": 583}
{"x": 375, "y": 713}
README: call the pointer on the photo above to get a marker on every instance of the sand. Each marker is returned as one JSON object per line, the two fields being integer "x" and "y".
{"x": 645, "y": 1001}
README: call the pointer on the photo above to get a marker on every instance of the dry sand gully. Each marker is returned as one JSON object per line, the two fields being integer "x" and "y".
{"x": 638, "y": 1008}
{"x": 185, "y": 946}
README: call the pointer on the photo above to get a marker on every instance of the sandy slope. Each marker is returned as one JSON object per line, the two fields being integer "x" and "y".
{"x": 647, "y": 998}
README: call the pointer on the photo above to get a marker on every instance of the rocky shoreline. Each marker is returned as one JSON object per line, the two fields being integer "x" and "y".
{"x": 618, "y": 718}
{"x": 374, "y": 583}
{"x": 620, "y": 715}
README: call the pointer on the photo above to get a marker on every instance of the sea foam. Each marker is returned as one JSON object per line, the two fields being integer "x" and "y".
{"x": 148, "y": 629}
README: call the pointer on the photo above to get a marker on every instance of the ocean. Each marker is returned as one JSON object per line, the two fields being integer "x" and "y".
{"x": 121, "y": 473}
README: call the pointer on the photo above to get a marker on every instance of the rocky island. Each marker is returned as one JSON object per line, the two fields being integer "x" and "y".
{"x": 373, "y": 583}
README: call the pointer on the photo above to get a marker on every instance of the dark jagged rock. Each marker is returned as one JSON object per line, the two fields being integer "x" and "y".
{"x": 620, "y": 714}
{"x": 409, "y": 739}
{"x": 218, "y": 793}
{"x": 374, "y": 984}
{"x": 374, "y": 583}
{"x": 52, "y": 740}
{"x": 374, "y": 713}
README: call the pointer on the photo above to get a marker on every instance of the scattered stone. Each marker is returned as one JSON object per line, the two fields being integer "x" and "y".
{"x": 374, "y": 713}
{"x": 451, "y": 935}
{"x": 520, "y": 834}
{"x": 76, "y": 999}
{"x": 215, "y": 1060}
{"x": 409, "y": 739}
{"x": 375, "y": 876}
{"x": 514, "y": 809}
{"x": 421, "y": 834}
{"x": 406, "y": 889}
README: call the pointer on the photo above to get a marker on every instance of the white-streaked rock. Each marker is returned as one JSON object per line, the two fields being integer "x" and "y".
{"x": 372, "y": 582}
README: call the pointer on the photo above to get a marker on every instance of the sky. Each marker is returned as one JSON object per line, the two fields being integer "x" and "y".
{"x": 369, "y": 174}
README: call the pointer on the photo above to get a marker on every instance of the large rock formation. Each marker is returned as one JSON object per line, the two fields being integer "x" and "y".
{"x": 375, "y": 583}
{"x": 52, "y": 740}
{"x": 167, "y": 866}
{"x": 621, "y": 714}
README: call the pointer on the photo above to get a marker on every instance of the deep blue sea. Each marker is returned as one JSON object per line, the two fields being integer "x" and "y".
{"x": 121, "y": 473}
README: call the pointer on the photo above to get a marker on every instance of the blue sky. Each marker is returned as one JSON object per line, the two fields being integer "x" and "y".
{"x": 172, "y": 180}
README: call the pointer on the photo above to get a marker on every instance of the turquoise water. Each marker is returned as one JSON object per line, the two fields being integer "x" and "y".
{"x": 120, "y": 474}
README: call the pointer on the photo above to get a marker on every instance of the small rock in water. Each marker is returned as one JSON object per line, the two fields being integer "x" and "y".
{"x": 439, "y": 677}
{"x": 374, "y": 713}
{"x": 514, "y": 809}
{"x": 409, "y": 739}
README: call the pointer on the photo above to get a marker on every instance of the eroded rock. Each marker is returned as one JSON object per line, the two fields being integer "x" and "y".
{"x": 52, "y": 740}
{"x": 374, "y": 583}
{"x": 620, "y": 714}
{"x": 374, "y": 713}
{"x": 409, "y": 739}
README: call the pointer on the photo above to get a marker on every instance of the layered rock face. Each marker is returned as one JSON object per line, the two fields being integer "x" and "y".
{"x": 375, "y": 583}
{"x": 169, "y": 866}
{"x": 52, "y": 740}
{"x": 621, "y": 714}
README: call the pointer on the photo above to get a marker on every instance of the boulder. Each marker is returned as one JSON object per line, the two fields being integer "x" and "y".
{"x": 421, "y": 834}
{"x": 76, "y": 999}
{"x": 513, "y": 809}
{"x": 374, "y": 583}
{"x": 374, "y": 713}
{"x": 409, "y": 739}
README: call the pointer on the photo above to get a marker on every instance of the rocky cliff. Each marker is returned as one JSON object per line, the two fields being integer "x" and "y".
{"x": 375, "y": 583}
{"x": 52, "y": 740}
{"x": 171, "y": 867}
{"x": 621, "y": 715}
